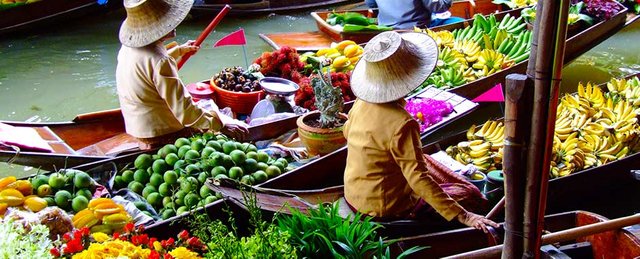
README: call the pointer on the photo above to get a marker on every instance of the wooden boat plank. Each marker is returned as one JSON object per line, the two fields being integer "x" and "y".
{"x": 263, "y": 6}
{"x": 301, "y": 41}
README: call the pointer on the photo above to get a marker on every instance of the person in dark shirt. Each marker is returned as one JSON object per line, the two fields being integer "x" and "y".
{"x": 406, "y": 14}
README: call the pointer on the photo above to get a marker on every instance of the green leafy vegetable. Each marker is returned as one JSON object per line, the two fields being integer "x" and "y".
{"x": 17, "y": 242}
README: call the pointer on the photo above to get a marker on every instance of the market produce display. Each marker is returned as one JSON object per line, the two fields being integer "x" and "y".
{"x": 102, "y": 215}
{"x": 339, "y": 57}
{"x": 237, "y": 79}
{"x": 513, "y": 4}
{"x": 284, "y": 62}
{"x": 592, "y": 128}
{"x": 353, "y": 22}
{"x": 428, "y": 111}
{"x": 172, "y": 181}
{"x": 479, "y": 50}
{"x": 575, "y": 14}
{"x": 305, "y": 97}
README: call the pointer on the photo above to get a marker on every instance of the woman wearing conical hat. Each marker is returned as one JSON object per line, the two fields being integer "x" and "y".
{"x": 387, "y": 176}
{"x": 155, "y": 105}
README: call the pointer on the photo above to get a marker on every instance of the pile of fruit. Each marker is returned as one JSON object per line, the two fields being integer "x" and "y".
{"x": 352, "y": 21}
{"x": 284, "y": 63}
{"x": 306, "y": 98}
{"x": 514, "y": 4}
{"x": 592, "y": 128}
{"x": 102, "y": 215}
{"x": 68, "y": 189}
{"x": 340, "y": 57}
{"x": 172, "y": 181}
{"x": 236, "y": 79}
{"x": 428, "y": 111}
{"x": 479, "y": 50}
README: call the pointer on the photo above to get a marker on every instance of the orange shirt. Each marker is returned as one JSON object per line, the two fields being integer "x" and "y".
{"x": 386, "y": 172}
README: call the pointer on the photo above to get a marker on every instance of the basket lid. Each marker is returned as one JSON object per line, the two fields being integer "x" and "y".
{"x": 199, "y": 89}
{"x": 277, "y": 85}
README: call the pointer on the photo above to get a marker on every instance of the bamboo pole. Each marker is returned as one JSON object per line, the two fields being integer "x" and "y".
{"x": 496, "y": 209}
{"x": 517, "y": 124}
{"x": 552, "y": 28}
{"x": 560, "y": 236}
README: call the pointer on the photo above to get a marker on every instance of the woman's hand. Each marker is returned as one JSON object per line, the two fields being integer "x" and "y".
{"x": 235, "y": 131}
{"x": 476, "y": 221}
{"x": 178, "y": 51}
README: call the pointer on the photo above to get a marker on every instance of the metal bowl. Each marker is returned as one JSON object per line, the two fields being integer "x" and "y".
{"x": 279, "y": 86}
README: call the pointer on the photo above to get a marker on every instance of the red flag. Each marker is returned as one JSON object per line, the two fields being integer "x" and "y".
{"x": 234, "y": 38}
{"x": 494, "y": 94}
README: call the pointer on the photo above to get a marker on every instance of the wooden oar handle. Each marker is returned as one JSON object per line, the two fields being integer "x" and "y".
{"x": 205, "y": 33}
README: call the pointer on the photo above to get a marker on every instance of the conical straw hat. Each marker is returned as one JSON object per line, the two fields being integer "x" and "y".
{"x": 150, "y": 20}
{"x": 393, "y": 65}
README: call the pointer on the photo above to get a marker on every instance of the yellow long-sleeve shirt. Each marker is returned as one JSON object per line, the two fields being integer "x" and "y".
{"x": 386, "y": 172}
{"x": 152, "y": 97}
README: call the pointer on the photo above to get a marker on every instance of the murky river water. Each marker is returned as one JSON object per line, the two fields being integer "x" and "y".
{"x": 54, "y": 75}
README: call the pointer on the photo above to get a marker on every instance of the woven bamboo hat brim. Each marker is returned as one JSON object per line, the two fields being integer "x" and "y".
{"x": 149, "y": 20}
{"x": 393, "y": 65}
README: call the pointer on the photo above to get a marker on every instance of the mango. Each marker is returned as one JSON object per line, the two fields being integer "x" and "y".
{"x": 35, "y": 203}
{"x": 340, "y": 62}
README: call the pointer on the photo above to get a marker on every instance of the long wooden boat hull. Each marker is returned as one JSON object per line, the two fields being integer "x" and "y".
{"x": 261, "y": 6}
{"x": 45, "y": 12}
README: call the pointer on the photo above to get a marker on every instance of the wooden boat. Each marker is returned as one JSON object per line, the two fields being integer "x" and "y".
{"x": 312, "y": 41}
{"x": 44, "y": 12}
{"x": 261, "y": 6}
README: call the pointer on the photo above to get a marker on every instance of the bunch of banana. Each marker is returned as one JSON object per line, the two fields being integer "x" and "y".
{"x": 519, "y": 49}
{"x": 511, "y": 24}
{"x": 470, "y": 49}
{"x": 621, "y": 120}
{"x": 577, "y": 105}
{"x": 483, "y": 148}
{"x": 449, "y": 57}
{"x": 490, "y": 62}
{"x": 453, "y": 77}
{"x": 593, "y": 94}
{"x": 625, "y": 89}
{"x": 443, "y": 38}
{"x": 102, "y": 215}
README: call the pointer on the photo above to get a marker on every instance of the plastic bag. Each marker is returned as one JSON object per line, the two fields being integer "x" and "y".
{"x": 127, "y": 200}
{"x": 56, "y": 219}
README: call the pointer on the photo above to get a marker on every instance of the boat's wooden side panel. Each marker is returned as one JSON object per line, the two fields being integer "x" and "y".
{"x": 610, "y": 244}
{"x": 30, "y": 15}
{"x": 301, "y": 41}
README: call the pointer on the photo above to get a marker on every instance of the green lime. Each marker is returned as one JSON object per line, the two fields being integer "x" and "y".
{"x": 39, "y": 180}
{"x": 69, "y": 175}
{"x": 204, "y": 166}
{"x": 191, "y": 200}
{"x": 82, "y": 180}
{"x": 85, "y": 192}
{"x": 242, "y": 146}
{"x": 221, "y": 137}
{"x": 50, "y": 201}
{"x": 221, "y": 142}
{"x": 63, "y": 199}
{"x": 118, "y": 182}
{"x": 127, "y": 176}
{"x": 206, "y": 152}
{"x": 165, "y": 190}
{"x": 253, "y": 155}
{"x": 149, "y": 170}
{"x": 79, "y": 203}
{"x": 208, "y": 136}
{"x": 169, "y": 204}
{"x": 154, "y": 199}
{"x": 283, "y": 161}
{"x": 273, "y": 171}
{"x": 167, "y": 149}
{"x": 227, "y": 162}
{"x": 189, "y": 184}
{"x": 218, "y": 170}
{"x": 260, "y": 177}
{"x": 183, "y": 150}
{"x": 160, "y": 166}
{"x": 202, "y": 177}
{"x": 171, "y": 159}
{"x": 252, "y": 148}
{"x": 179, "y": 197}
{"x": 263, "y": 157}
{"x": 197, "y": 145}
{"x": 216, "y": 159}
{"x": 168, "y": 213}
{"x": 182, "y": 210}
{"x": 210, "y": 199}
{"x": 141, "y": 176}
{"x": 180, "y": 164}
{"x": 143, "y": 161}
{"x": 136, "y": 187}
{"x": 156, "y": 180}
{"x": 155, "y": 157}
{"x": 215, "y": 145}
{"x": 170, "y": 177}
{"x": 250, "y": 165}
{"x": 235, "y": 172}
{"x": 166, "y": 200}
{"x": 238, "y": 157}
{"x": 192, "y": 169}
{"x": 228, "y": 146}
{"x": 247, "y": 179}
{"x": 141, "y": 205}
{"x": 279, "y": 165}
{"x": 262, "y": 166}
{"x": 205, "y": 191}
{"x": 149, "y": 189}
{"x": 57, "y": 180}
{"x": 191, "y": 155}
{"x": 182, "y": 142}
{"x": 220, "y": 176}
{"x": 44, "y": 190}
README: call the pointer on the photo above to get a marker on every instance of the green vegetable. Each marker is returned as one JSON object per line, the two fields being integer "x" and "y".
{"x": 353, "y": 28}
{"x": 350, "y": 18}
{"x": 16, "y": 242}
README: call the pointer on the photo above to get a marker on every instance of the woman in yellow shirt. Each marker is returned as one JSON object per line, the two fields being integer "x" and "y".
{"x": 154, "y": 103}
{"x": 387, "y": 175}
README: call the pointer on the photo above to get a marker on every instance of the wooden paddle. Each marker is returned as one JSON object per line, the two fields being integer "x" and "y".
{"x": 205, "y": 33}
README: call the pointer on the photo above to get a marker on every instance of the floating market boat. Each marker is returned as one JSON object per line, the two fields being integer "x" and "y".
{"x": 326, "y": 34}
{"x": 20, "y": 16}
{"x": 261, "y": 6}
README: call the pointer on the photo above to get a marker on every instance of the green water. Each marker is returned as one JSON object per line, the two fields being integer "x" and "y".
{"x": 54, "y": 75}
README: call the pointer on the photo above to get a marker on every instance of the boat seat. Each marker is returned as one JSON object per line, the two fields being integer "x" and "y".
{"x": 118, "y": 144}
{"x": 56, "y": 143}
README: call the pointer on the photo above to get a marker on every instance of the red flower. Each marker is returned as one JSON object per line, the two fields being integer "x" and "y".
{"x": 151, "y": 241}
{"x": 141, "y": 228}
{"x": 168, "y": 256}
{"x": 154, "y": 255}
{"x": 66, "y": 237}
{"x": 171, "y": 241}
{"x": 55, "y": 252}
{"x": 85, "y": 231}
{"x": 77, "y": 234}
{"x": 116, "y": 235}
{"x": 128, "y": 227}
{"x": 194, "y": 242}
{"x": 183, "y": 235}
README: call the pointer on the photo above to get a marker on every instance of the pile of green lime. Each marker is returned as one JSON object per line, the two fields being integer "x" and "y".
{"x": 172, "y": 181}
{"x": 69, "y": 189}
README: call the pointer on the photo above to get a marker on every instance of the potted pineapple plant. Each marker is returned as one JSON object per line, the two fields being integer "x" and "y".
{"x": 321, "y": 130}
